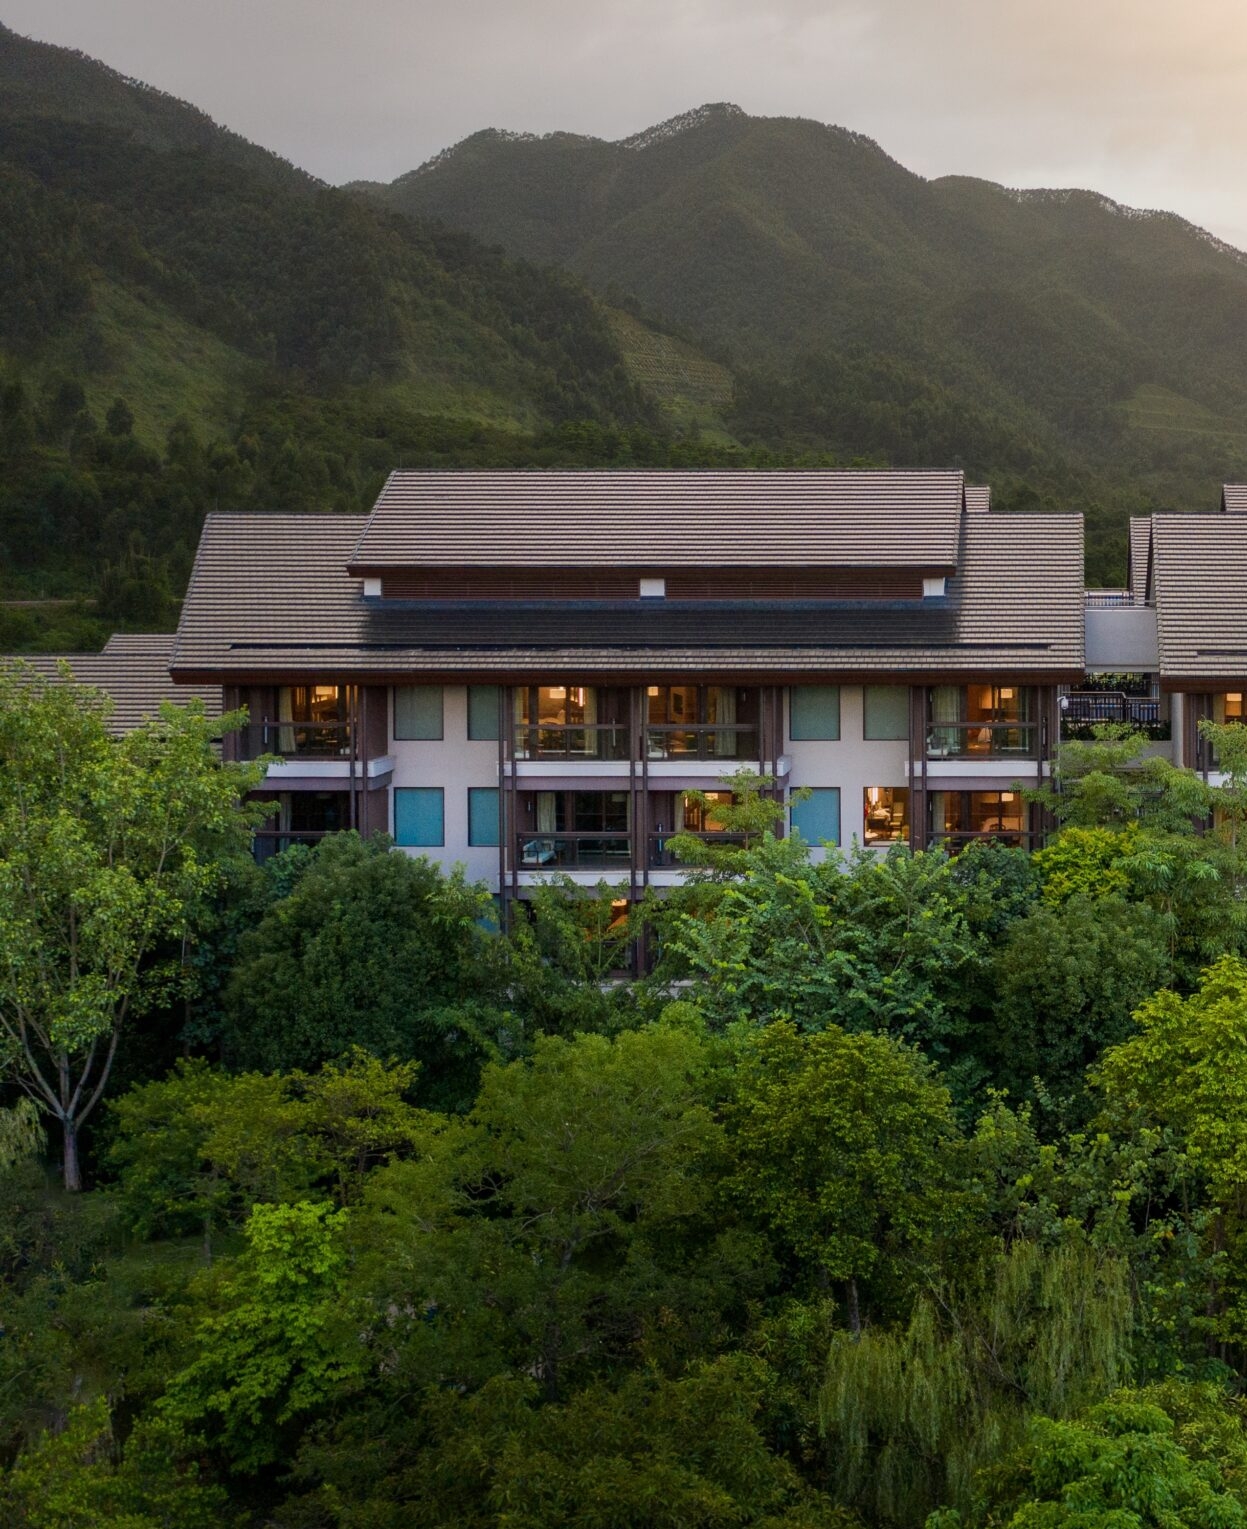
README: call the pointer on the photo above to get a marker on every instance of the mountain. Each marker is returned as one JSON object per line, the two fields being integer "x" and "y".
{"x": 1058, "y": 330}
{"x": 188, "y": 320}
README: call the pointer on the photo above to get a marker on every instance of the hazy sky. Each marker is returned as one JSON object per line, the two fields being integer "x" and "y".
{"x": 1145, "y": 100}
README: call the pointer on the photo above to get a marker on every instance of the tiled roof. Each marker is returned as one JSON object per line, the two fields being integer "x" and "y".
{"x": 978, "y": 498}
{"x": 1140, "y": 547}
{"x": 159, "y": 643}
{"x": 1199, "y": 575}
{"x": 660, "y": 519}
{"x": 134, "y": 674}
{"x": 1234, "y": 498}
{"x": 268, "y": 596}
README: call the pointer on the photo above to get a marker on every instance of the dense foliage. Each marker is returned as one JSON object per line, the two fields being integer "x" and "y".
{"x": 903, "y": 1188}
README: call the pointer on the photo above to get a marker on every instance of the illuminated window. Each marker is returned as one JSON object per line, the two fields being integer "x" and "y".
{"x": 885, "y": 814}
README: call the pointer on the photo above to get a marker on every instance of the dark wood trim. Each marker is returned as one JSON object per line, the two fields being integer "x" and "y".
{"x": 660, "y": 673}
{"x": 919, "y": 708}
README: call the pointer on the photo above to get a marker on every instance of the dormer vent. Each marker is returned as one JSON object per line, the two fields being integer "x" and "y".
{"x": 653, "y": 589}
{"x": 933, "y": 589}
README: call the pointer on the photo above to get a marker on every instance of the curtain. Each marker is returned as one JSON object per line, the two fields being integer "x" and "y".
{"x": 945, "y": 710}
{"x": 285, "y": 713}
{"x": 591, "y": 716}
{"x": 545, "y": 812}
{"x": 725, "y": 719}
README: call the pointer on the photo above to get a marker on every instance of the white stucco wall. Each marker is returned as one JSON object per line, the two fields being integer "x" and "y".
{"x": 852, "y": 763}
{"x": 455, "y": 763}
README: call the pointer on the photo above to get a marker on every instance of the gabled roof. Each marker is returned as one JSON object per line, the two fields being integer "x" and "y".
{"x": 133, "y": 672}
{"x": 662, "y": 518}
{"x": 1199, "y": 575}
{"x": 1234, "y": 498}
{"x": 1140, "y": 550}
{"x": 978, "y": 498}
{"x": 268, "y": 598}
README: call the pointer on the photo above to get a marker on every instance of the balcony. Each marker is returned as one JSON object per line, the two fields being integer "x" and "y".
{"x": 983, "y": 740}
{"x": 660, "y": 857}
{"x": 594, "y": 741}
{"x": 708, "y": 741}
{"x": 297, "y": 740}
{"x": 555, "y": 852}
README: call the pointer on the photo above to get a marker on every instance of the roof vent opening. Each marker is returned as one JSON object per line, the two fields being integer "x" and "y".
{"x": 653, "y": 589}
{"x": 933, "y": 589}
{"x": 372, "y": 589}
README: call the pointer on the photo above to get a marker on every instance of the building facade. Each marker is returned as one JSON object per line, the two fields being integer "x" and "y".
{"x": 527, "y": 672}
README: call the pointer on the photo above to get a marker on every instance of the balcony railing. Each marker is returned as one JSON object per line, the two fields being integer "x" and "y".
{"x": 711, "y": 740}
{"x": 1016, "y": 838}
{"x": 1110, "y": 706}
{"x": 269, "y": 842}
{"x": 590, "y": 740}
{"x": 979, "y": 740}
{"x": 298, "y": 740}
{"x": 574, "y": 852}
{"x": 659, "y": 848}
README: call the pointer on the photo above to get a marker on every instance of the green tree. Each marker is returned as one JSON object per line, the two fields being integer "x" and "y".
{"x": 846, "y": 1149}
{"x": 109, "y": 851}
{"x": 1150, "y": 1459}
{"x": 1067, "y": 981}
{"x": 79, "y": 1478}
{"x": 1185, "y": 1073}
{"x": 267, "y": 1354}
{"x": 912, "y": 1413}
{"x": 373, "y": 949}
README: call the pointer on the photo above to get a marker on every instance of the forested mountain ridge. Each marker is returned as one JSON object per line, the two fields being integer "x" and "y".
{"x": 1068, "y": 332}
{"x": 273, "y": 342}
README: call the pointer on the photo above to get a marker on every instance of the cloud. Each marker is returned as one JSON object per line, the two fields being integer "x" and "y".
{"x": 1139, "y": 99}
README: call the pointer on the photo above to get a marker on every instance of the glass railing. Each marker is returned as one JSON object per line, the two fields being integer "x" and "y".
{"x": 297, "y": 740}
{"x": 1013, "y": 837}
{"x": 978, "y": 740}
{"x": 660, "y": 853}
{"x": 267, "y": 843}
{"x": 708, "y": 741}
{"x": 574, "y": 852}
{"x": 595, "y": 740}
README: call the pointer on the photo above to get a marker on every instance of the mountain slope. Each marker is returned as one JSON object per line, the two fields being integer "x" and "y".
{"x": 107, "y": 185}
{"x": 778, "y": 238}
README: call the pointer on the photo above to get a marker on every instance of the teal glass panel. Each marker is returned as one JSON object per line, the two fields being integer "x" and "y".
{"x": 886, "y": 711}
{"x": 818, "y": 817}
{"x": 815, "y": 712}
{"x": 419, "y": 816}
{"x": 483, "y": 711}
{"x": 417, "y": 711}
{"x": 483, "y": 820}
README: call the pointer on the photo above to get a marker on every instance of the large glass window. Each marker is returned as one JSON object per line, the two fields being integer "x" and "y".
{"x": 973, "y": 720}
{"x": 702, "y": 721}
{"x": 572, "y": 830}
{"x": 571, "y": 721}
{"x": 886, "y": 712}
{"x": 814, "y": 712}
{"x": 885, "y": 814}
{"x": 483, "y": 815}
{"x": 419, "y": 816}
{"x": 311, "y": 722}
{"x": 1228, "y": 707}
{"x": 964, "y": 815}
{"x": 483, "y": 712}
{"x": 417, "y": 711}
{"x": 817, "y": 818}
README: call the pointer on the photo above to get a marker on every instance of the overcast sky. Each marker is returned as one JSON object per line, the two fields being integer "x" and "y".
{"x": 1144, "y": 100}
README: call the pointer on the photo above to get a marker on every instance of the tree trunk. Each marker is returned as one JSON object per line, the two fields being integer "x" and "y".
{"x": 855, "y": 1311}
{"x": 71, "y": 1171}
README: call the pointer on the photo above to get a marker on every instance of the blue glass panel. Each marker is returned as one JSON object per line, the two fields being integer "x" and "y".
{"x": 815, "y": 711}
{"x": 419, "y": 816}
{"x": 483, "y": 824}
{"x": 417, "y": 711}
{"x": 483, "y": 711}
{"x": 818, "y": 817}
